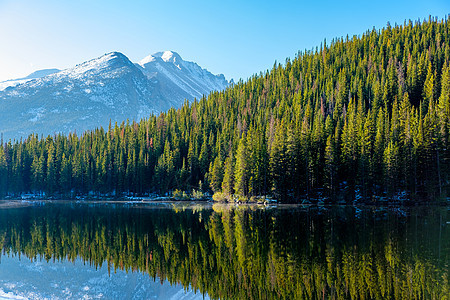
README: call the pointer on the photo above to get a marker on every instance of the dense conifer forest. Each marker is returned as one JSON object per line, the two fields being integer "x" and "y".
{"x": 355, "y": 118}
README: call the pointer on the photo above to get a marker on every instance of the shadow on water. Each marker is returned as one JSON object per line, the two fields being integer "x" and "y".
{"x": 247, "y": 252}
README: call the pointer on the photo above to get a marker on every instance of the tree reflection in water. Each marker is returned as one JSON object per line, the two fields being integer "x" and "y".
{"x": 248, "y": 252}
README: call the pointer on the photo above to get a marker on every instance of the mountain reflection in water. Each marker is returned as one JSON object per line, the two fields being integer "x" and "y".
{"x": 245, "y": 252}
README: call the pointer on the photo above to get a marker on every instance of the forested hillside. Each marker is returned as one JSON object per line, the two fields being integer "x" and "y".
{"x": 360, "y": 116}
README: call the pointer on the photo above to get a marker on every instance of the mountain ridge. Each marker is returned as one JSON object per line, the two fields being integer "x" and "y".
{"x": 100, "y": 90}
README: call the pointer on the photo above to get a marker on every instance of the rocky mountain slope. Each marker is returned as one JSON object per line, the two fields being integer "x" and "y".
{"x": 108, "y": 88}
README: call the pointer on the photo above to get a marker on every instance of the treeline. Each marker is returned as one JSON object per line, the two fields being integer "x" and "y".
{"x": 360, "y": 117}
{"x": 247, "y": 254}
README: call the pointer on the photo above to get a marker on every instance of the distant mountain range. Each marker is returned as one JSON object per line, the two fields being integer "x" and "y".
{"x": 104, "y": 89}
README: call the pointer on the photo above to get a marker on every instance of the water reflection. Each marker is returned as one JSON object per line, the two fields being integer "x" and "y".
{"x": 247, "y": 252}
{"x": 21, "y": 278}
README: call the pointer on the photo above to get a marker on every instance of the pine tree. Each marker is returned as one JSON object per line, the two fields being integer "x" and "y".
{"x": 65, "y": 181}
{"x": 429, "y": 88}
{"x": 241, "y": 171}
{"x": 330, "y": 166}
{"x": 279, "y": 162}
{"x": 50, "y": 179}
{"x": 228, "y": 177}
{"x": 216, "y": 174}
{"x": 3, "y": 173}
{"x": 444, "y": 127}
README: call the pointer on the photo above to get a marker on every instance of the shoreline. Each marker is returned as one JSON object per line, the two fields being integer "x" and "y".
{"x": 164, "y": 201}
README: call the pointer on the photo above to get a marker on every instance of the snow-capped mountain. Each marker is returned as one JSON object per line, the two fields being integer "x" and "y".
{"x": 108, "y": 88}
{"x": 190, "y": 80}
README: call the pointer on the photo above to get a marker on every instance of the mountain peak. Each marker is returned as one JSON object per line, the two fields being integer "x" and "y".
{"x": 115, "y": 55}
{"x": 146, "y": 60}
{"x": 166, "y": 56}
{"x": 170, "y": 56}
{"x": 110, "y": 57}
{"x": 107, "y": 62}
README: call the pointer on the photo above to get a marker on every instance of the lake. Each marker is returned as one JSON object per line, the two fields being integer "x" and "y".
{"x": 201, "y": 251}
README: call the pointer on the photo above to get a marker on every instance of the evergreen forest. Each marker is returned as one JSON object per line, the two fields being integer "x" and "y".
{"x": 358, "y": 118}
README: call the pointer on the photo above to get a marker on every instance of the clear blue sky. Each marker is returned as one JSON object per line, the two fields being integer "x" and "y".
{"x": 236, "y": 38}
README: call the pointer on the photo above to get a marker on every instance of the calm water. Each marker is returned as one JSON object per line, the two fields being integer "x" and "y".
{"x": 173, "y": 251}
